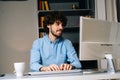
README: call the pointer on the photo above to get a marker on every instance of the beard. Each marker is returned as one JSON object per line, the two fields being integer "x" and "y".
{"x": 55, "y": 33}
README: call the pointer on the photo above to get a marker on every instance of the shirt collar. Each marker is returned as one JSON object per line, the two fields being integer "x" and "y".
{"x": 49, "y": 40}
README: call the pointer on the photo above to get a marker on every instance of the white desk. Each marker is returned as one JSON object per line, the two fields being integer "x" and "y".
{"x": 74, "y": 76}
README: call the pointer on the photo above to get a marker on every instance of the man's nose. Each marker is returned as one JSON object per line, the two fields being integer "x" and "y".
{"x": 60, "y": 26}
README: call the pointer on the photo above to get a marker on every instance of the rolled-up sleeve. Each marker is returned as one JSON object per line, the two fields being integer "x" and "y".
{"x": 72, "y": 55}
{"x": 35, "y": 56}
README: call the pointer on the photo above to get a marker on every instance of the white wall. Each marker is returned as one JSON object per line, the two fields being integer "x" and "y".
{"x": 100, "y": 9}
{"x": 106, "y": 10}
{"x": 18, "y": 29}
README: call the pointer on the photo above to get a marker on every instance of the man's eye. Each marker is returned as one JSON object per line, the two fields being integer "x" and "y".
{"x": 58, "y": 24}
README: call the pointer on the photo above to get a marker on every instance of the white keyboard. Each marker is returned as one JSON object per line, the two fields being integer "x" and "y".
{"x": 56, "y": 72}
{"x": 89, "y": 71}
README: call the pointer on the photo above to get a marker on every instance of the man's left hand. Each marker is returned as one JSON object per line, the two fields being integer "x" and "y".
{"x": 66, "y": 67}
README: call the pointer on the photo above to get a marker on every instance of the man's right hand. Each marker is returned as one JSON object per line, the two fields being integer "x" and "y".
{"x": 52, "y": 67}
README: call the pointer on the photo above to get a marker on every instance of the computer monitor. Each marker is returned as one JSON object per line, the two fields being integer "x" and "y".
{"x": 98, "y": 37}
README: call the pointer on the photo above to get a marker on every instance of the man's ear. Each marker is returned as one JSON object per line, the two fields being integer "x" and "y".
{"x": 48, "y": 26}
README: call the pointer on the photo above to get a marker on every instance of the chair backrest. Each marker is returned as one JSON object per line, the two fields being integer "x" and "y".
{"x": 89, "y": 64}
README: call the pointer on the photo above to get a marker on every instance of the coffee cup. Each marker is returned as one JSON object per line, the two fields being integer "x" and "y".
{"x": 19, "y": 69}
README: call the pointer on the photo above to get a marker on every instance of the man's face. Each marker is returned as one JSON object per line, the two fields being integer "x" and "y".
{"x": 56, "y": 29}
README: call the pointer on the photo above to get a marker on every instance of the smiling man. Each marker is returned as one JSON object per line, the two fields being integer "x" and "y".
{"x": 52, "y": 52}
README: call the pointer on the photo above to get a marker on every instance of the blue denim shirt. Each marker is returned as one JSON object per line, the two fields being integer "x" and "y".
{"x": 45, "y": 52}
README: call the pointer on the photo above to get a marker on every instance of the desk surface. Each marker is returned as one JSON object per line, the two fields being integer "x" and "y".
{"x": 71, "y": 76}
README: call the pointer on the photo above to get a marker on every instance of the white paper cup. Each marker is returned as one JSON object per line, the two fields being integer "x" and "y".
{"x": 19, "y": 68}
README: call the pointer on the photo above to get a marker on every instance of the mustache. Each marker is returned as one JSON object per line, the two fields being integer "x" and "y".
{"x": 60, "y": 30}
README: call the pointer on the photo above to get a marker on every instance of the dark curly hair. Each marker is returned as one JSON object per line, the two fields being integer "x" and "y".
{"x": 52, "y": 17}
